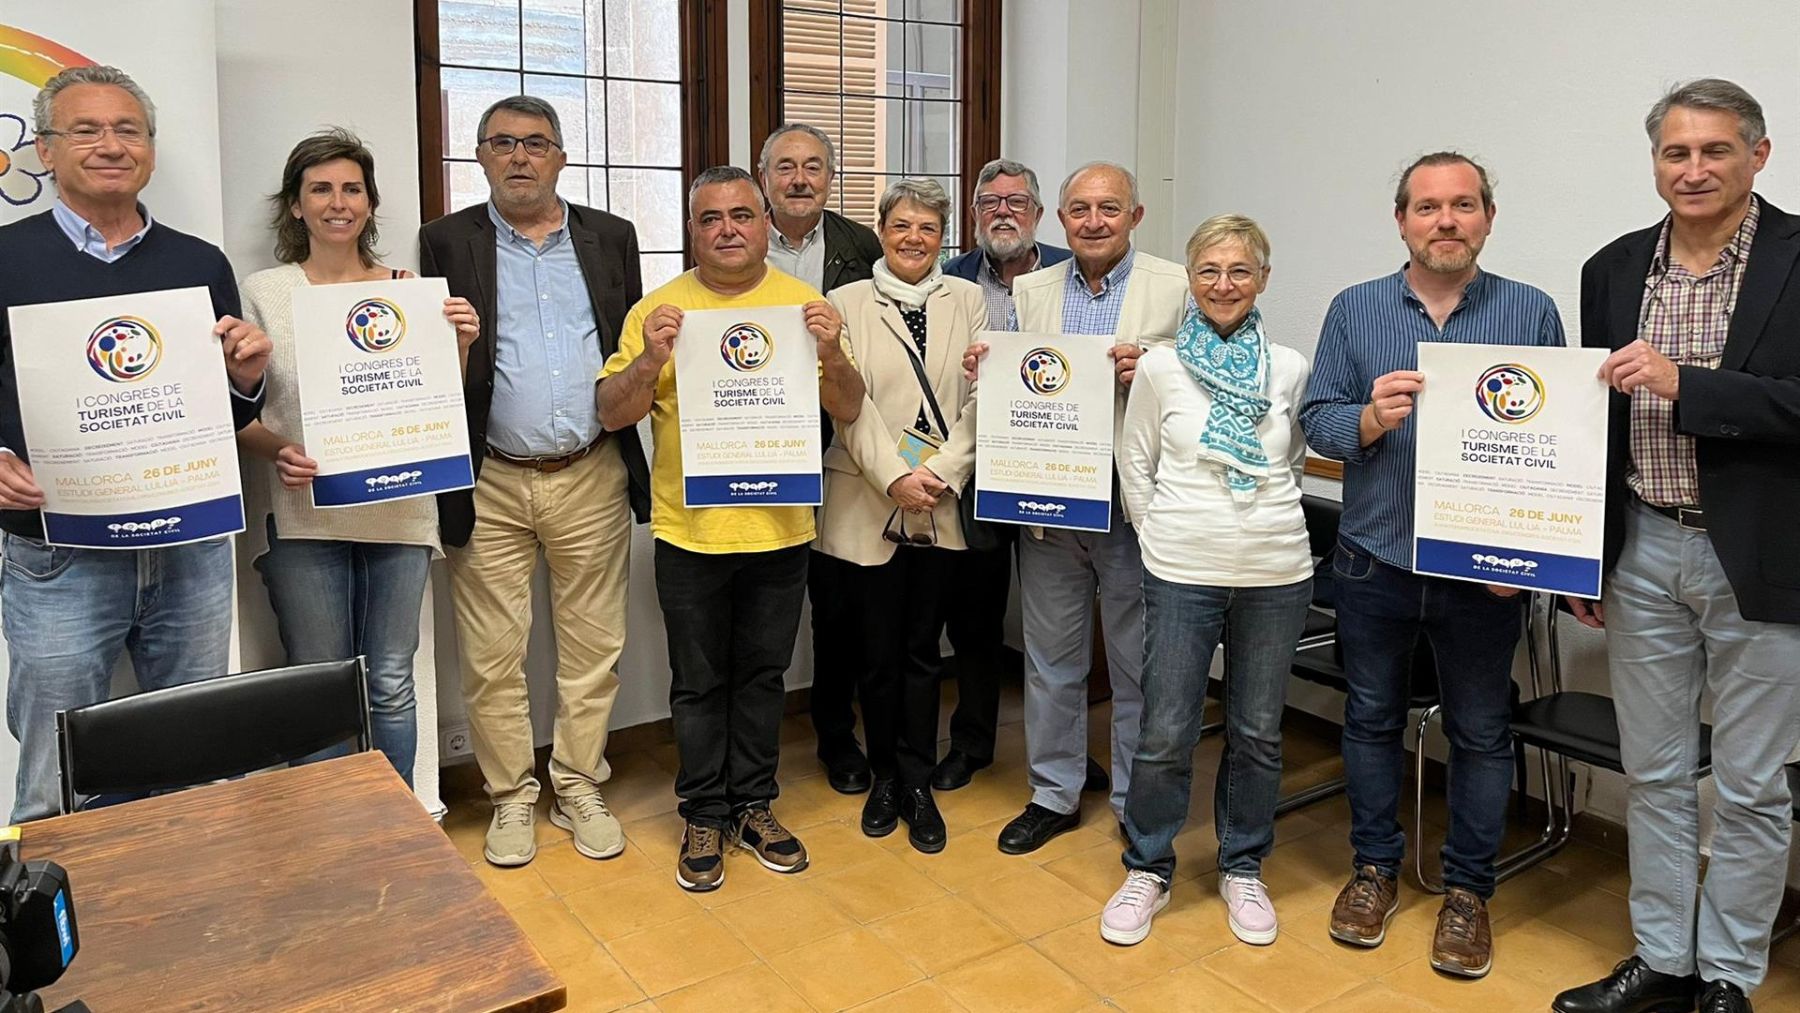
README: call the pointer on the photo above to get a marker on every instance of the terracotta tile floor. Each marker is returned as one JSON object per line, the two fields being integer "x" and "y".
{"x": 874, "y": 925}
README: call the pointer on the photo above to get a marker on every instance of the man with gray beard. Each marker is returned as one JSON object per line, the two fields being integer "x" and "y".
{"x": 1005, "y": 213}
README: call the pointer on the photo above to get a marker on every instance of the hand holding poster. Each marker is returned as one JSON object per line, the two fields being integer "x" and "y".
{"x": 127, "y": 419}
{"x": 380, "y": 391}
{"x": 1511, "y": 474}
{"x": 749, "y": 387}
{"x": 1044, "y": 431}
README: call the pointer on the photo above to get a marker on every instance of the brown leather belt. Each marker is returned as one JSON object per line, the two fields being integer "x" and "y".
{"x": 547, "y": 465}
{"x": 1688, "y": 517}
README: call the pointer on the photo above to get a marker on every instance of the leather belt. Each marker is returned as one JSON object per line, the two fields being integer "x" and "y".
{"x": 547, "y": 465}
{"x": 1692, "y": 518}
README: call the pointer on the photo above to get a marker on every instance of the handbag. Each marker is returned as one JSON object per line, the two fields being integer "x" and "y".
{"x": 979, "y": 535}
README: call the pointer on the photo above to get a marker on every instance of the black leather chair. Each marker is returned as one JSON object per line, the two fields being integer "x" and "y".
{"x": 206, "y": 731}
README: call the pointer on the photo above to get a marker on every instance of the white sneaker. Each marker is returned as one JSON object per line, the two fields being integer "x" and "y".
{"x": 511, "y": 838}
{"x": 1126, "y": 920}
{"x": 1248, "y": 908}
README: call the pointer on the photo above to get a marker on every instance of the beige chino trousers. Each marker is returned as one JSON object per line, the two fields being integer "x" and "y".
{"x": 580, "y": 519}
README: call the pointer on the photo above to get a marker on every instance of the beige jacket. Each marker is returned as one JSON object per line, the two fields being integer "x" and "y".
{"x": 864, "y": 460}
{"x": 1155, "y": 295}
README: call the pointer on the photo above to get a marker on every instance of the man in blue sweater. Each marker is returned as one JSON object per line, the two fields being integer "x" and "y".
{"x": 69, "y": 613}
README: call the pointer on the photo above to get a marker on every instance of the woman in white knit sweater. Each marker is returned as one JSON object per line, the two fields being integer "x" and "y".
{"x": 347, "y": 581}
{"x": 1209, "y": 466}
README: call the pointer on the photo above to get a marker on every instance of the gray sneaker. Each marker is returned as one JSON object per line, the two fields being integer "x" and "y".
{"x": 597, "y": 832}
{"x": 511, "y": 838}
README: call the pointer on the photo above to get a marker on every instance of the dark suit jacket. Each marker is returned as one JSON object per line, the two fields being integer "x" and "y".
{"x": 1744, "y": 416}
{"x": 460, "y": 249}
{"x": 851, "y": 251}
{"x": 967, "y": 265}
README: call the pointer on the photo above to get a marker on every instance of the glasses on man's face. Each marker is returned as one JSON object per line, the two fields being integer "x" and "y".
{"x": 900, "y": 536}
{"x": 1017, "y": 203}
{"x": 1238, "y": 276}
{"x": 86, "y": 136}
{"x": 537, "y": 145}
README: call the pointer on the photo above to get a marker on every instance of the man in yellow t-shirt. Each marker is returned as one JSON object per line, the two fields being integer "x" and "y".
{"x": 730, "y": 580}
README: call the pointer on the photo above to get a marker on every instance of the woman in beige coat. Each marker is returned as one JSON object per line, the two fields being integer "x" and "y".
{"x": 891, "y": 479}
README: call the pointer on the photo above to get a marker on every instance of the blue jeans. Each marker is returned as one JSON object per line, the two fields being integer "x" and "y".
{"x": 1381, "y": 612}
{"x": 1182, "y": 627}
{"x": 70, "y": 613}
{"x": 336, "y": 600}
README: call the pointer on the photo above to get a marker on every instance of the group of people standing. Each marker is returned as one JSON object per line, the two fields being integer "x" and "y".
{"x": 564, "y": 354}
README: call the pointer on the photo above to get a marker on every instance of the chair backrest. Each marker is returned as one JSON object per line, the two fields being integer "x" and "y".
{"x": 212, "y": 729}
{"x": 1322, "y": 517}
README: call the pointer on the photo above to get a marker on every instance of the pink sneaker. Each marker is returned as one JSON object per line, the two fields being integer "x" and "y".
{"x": 1126, "y": 920}
{"x": 1248, "y": 908}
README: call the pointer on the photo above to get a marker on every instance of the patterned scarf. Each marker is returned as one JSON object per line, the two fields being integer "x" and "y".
{"x": 1234, "y": 371}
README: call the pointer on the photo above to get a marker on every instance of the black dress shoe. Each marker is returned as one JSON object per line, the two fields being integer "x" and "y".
{"x": 1723, "y": 997}
{"x": 881, "y": 812}
{"x": 847, "y": 779}
{"x": 1033, "y": 828}
{"x": 1632, "y": 987}
{"x": 1096, "y": 777}
{"x": 955, "y": 770}
{"x": 924, "y": 824}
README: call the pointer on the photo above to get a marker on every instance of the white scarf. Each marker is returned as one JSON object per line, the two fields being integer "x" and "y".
{"x": 910, "y": 296}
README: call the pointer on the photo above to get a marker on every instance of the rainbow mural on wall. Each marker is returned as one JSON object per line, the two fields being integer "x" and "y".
{"x": 31, "y": 59}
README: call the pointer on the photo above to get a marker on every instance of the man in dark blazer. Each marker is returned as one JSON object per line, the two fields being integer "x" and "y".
{"x": 1702, "y": 312}
{"x": 552, "y": 281}
{"x": 825, "y": 250}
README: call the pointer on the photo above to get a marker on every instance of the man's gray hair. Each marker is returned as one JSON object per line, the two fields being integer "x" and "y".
{"x": 1710, "y": 93}
{"x": 722, "y": 174}
{"x": 529, "y": 105}
{"x": 768, "y": 148}
{"x": 1007, "y": 167}
{"x": 96, "y": 74}
{"x": 1062, "y": 192}
{"x": 927, "y": 193}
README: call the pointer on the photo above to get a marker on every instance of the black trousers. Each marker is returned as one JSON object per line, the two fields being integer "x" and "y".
{"x": 899, "y": 608}
{"x": 977, "y": 585}
{"x": 837, "y": 661}
{"x": 731, "y": 621}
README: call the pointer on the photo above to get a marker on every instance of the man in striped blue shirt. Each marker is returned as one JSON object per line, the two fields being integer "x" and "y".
{"x": 1358, "y": 408}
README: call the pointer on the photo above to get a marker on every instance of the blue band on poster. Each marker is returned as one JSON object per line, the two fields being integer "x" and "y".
{"x": 1539, "y": 571}
{"x": 147, "y": 529}
{"x": 372, "y": 485}
{"x": 1049, "y": 511}
{"x": 804, "y": 489}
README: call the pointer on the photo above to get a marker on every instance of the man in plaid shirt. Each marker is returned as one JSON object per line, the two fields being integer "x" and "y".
{"x": 1703, "y": 557}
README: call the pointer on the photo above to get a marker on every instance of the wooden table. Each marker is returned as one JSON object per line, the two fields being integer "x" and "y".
{"x": 324, "y": 887}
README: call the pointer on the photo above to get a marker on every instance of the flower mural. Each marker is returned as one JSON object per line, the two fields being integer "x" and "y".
{"x": 21, "y": 174}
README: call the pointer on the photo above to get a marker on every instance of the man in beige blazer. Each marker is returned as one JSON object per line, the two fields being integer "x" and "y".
{"x": 1129, "y": 299}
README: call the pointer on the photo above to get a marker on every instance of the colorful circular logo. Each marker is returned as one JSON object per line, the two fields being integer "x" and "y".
{"x": 124, "y": 349}
{"x": 1044, "y": 371}
{"x": 1510, "y": 393}
{"x": 746, "y": 347}
{"x": 375, "y": 325}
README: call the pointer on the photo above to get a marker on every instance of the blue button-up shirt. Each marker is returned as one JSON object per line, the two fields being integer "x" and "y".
{"x": 1373, "y": 329}
{"x": 547, "y": 349}
{"x": 1089, "y": 312}
{"x": 88, "y": 239}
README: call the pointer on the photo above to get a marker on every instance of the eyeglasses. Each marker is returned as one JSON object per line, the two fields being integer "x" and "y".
{"x": 1018, "y": 203}
{"x": 1238, "y": 276}
{"x": 129, "y": 134}
{"x": 537, "y": 145}
{"x": 902, "y": 537}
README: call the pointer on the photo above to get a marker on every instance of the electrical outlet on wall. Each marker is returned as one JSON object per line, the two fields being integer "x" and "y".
{"x": 455, "y": 741}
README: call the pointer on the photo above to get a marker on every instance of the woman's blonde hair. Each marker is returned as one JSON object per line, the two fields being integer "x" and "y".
{"x": 1224, "y": 229}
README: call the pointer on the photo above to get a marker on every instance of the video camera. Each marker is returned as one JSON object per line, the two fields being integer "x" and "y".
{"x": 38, "y": 936}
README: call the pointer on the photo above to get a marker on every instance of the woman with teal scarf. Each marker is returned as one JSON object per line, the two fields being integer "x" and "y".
{"x": 1209, "y": 464}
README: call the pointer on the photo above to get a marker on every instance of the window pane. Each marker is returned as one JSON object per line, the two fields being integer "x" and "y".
{"x": 464, "y": 184}
{"x": 572, "y": 186}
{"x": 659, "y": 269}
{"x": 643, "y": 38}
{"x": 949, "y": 11}
{"x": 653, "y": 200}
{"x": 555, "y": 35}
{"x": 597, "y": 196}
{"x": 814, "y": 53}
{"x": 483, "y": 33}
{"x": 810, "y": 5}
{"x": 644, "y": 123}
{"x": 467, "y": 94}
{"x": 926, "y": 144}
{"x": 932, "y": 56}
{"x": 568, "y": 96}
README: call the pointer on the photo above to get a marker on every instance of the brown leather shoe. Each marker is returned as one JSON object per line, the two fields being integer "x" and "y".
{"x": 1364, "y": 907}
{"x": 701, "y": 867}
{"x": 761, "y": 834}
{"x": 1463, "y": 945}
